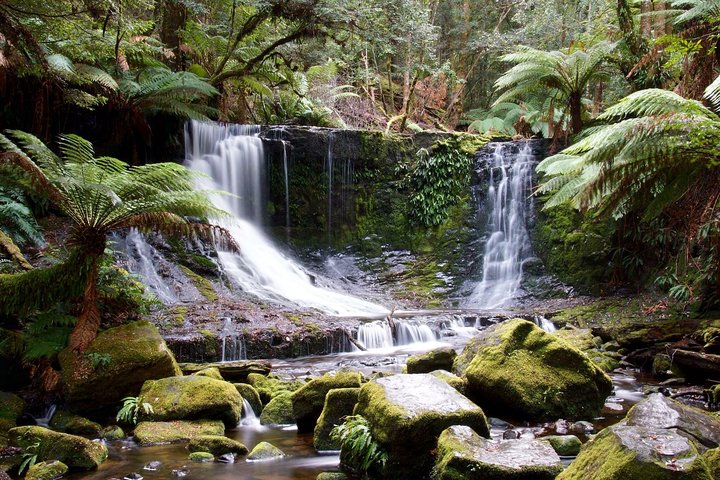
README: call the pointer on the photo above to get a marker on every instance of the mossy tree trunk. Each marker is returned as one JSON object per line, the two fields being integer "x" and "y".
{"x": 88, "y": 322}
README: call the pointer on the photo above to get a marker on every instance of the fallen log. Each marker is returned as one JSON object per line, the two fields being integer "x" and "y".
{"x": 695, "y": 364}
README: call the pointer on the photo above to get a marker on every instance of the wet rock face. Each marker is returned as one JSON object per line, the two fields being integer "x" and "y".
{"x": 660, "y": 439}
{"x": 462, "y": 453}
{"x": 517, "y": 369}
{"x": 189, "y": 398}
{"x": 407, "y": 413}
{"x": 438, "y": 359}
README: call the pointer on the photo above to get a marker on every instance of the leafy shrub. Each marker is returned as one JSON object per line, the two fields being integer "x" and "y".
{"x": 130, "y": 409}
{"x": 360, "y": 450}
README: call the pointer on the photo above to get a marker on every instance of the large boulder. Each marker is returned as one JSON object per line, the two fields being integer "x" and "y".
{"x": 191, "y": 398}
{"x": 134, "y": 353}
{"x": 270, "y": 386}
{"x": 659, "y": 438}
{"x": 517, "y": 369}
{"x": 78, "y": 453}
{"x": 407, "y": 413}
{"x": 339, "y": 403}
{"x": 308, "y": 401}
{"x": 463, "y": 454}
{"x": 155, "y": 433}
{"x": 235, "y": 371}
{"x": 68, "y": 422}
{"x": 439, "y": 359}
{"x": 251, "y": 396}
{"x": 278, "y": 411}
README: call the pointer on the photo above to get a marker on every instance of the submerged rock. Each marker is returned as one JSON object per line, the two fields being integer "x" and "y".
{"x": 265, "y": 451}
{"x": 517, "y": 368}
{"x": 75, "y": 452}
{"x": 463, "y": 454}
{"x": 153, "y": 433}
{"x": 308, "y": 401}
{"x": 278, "y": 411}
{"x": 407, "y": 413}
{"x": 190, "y": 398}
{"x": 135, "y": 353}
{"x": 248, "y": 392}
{"x": 65, "y": 421}
{"x": 47, "y": 470}
{"x": 201, "y": 457}
{"x": 439, "y": 359}
{"x": 217, "y": 445}
{"x": 339, "y": 403}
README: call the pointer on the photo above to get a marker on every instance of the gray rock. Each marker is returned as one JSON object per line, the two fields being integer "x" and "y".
{"x": 153, "y": 466}
{"x": 226, "y": 458}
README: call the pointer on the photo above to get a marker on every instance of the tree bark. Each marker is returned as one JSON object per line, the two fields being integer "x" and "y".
{"x": 576, "y": 112}
{"x": 88, "y": 323}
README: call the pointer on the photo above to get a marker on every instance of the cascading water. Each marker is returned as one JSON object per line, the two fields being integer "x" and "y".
{"x": 413, "y": 332}
{"x": 379, "y": 335}
{"x": 508, "y": 245}
{"x": 233, "y": 158}
{"x": 143, "y": 259}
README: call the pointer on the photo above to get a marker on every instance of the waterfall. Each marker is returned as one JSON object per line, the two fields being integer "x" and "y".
{"x": 249, "y": 417}
{"x": 413, "y": 332}
{"x": 44, "y": 421}
{"x": 508, "y": 244}
{"x": 287, "y": 188}
{"x": 379, "y": 335}
{"x": 329, "y": 170}
{"x": 143, "y": 259}
{"x": 233, "y": 158}
{"x": 374, "y": 335}
{"x": 545, "y": 324}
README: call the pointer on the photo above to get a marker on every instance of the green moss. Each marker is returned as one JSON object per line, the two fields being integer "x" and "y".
{"x": 583, "y": 340}
{"x": 339, "y": 403}
{"x": 212, "y": 342}
{"x": 178, "y": 315}
{"x": 270, "y": 386}
{"x": 517, "y": 368}
{"x": 65, "y": 421}
{"x": 190, "y": 398}
{"x": 201, "y": 457}
{"x": 47, "y": 470}
{"x": 112, "y": 433}
{"x": 331, "y": 476}
{"x": 211, "y": 372}
{"x": 248, "y": 392}
{"x": 438, "y": 359}
{"x": 278, "y": 411}
{"x": 564, "y": 445}
{"x": 308, "y": 401}
{"x": 451, "y": 379}
{"x": 217, "y": 445}
{"x": 203, "y": 285}
{"x": 154, "y": 433}
{"x": 265, "y": 451}
{"x": 76, "y": 452}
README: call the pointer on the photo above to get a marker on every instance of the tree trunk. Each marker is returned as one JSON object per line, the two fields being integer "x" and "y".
{"x": 88, "y": 322}
{"x": 174, "y": 17}
{"x": 576, "y": 112}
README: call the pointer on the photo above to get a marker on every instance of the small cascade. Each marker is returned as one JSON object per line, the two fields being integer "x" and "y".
{"x": 287, "y": 187}
{"x": 233, "y": 345}
{"x": 44, "y": 421}
{"x": 457, "y": 325}
{"x": 545, "y": 324}
{"x": 409, "y": 332}
{"x": 508, "y": 244}
{"x": 249, "y": 417}
{"x": 233, "y": 158}
{"x": 374, "y": 335}
{"x": 329, "y": 170}
{"x": 143, "y": 260}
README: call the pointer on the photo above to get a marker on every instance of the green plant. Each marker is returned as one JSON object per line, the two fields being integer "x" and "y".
{"x": 98, "y": 360}
{"x": 363, "y": 452}
{"x": 130, "y": 410}
{"x": 29, "y": 457}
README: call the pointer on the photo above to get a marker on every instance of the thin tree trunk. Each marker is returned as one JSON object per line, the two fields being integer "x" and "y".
{"x": 11, "y": 249}
{"x": 576, "y": 112}
{"x": 88, "y": 322}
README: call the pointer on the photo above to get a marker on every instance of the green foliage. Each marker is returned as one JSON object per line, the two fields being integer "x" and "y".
{"x": 121, "y": 293}
{"x": 98, "y": 360}
{"x": 16, "y": 218}
{"x": 363, "y": 453}
{"x": 29, "y": 456}
{"x": 130, "y": 410}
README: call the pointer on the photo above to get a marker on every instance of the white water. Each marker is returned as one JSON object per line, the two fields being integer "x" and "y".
{"x": 545, "y": 324}
{"x": 234, "y": 160}
{"x": 508, "y": 245}
{"x": 249, "y": 418}
{"x": 143, "y": 260}
{"x": 44, "y": 421}
{"x": 379, "y": 336}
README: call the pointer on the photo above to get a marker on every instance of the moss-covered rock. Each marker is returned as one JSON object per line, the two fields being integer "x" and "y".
{"x": 11, "y": 407}
{"x": 564, "y": 445}
{"x": 235, "y": 371}
{"x": 451, "y": 379}
{"x": 339, "y": 403}
{"x": 112, "y": 433}
{"x": 270, "y": 386}
{"x": 217, "y": 445}
{"x": 75, "y": 452}
{"x": 584, "y": 340}
{"x": 439, "y": 359}
{"x": 155, "y": 433}
{"x": 463, "y": 454}
{"x": 407, "y": 413}
{"x": 47, "y": 470}
{"x": 265, "y": 451}
{"x": 332, "y": 476}
{"x": 279, "y": 411}
{"x": 663, "y": 367}
{"x": 516, "y": 368}
{"x": 248, "y": 392}
{"x": 201, "y": 457}
{"x": 136, "y": 352}
{"x": 68, "y": 422}
{"x": 308, "y": 401}
{"x": 211, "y": 372}
{"x": 190, "y": 398}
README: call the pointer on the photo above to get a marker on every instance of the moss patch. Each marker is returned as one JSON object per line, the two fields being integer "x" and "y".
{"x": 270, "y": 386}
{"x": 217, "y": 445}
{"x": 265, "y": 451}
{"x": 339, "y": 403}
{"x": 75, "y": 452}
{"x": 248, "y": 393}
{"x": 47, "y": 470}
{"x": 438, "y": 359}
{"x": 278, "y": 411}
{"x": 65, "y": 421}
{"x": 308, "y": 401}
{"x": 154, "y": 433}
{"x": 204, "y": 286}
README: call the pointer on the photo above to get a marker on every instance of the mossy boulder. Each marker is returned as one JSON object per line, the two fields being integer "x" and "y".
{"x": 408, "y": 412}
{"x": 11, "y": 407}
{"x": 112, "y": 433}
{"x": 515, "y": 368}
{"x": 584, "y": 340}
{"x": 47, "y": 470}
{"x": 136, "y": 352}
{"x": 308, "y": 401}
{"x": 439, "y": 359}
{"x": 217, "y": 445}
{"x": 451, "y": 379}
{"x": 190, "y": 398}
{"x": 339, "y": 403}
{"x": 270, "y": 386}
{"x": 201, "y": 457}
{"x": 211, "y": 372}
{"x": 463, "y": 454}
{"x": 279, "y": 411}
{"x": 76, "y": 452}
{"x": 248, "y": 392}
{"x": 265, "y": 451}
{"x": 564, "y": 445}
{"x": 156, "y": 433}
{"x": 68, "y": 422}
{"x": 235, "y": 371}
{"x": 332, "y": 476}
